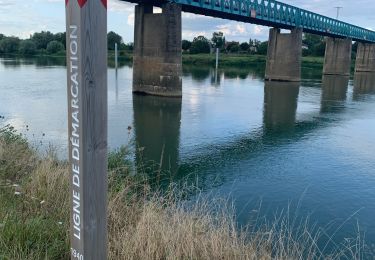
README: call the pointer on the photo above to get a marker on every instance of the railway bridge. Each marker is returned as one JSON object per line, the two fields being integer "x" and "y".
{"x": 157, "y": 40}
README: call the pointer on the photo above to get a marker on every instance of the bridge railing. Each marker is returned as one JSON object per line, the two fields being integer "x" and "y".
{"x": 285, "y": 16}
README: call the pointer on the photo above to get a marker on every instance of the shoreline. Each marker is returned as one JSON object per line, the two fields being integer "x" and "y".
{"x": 235, "y": 60}
{"x": 144, "y": 222}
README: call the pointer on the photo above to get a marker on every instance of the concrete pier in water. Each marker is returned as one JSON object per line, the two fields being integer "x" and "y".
{"x": 338, "y": 56}
{"x": 365, "y": 61}
{"x": 157, "y": 61}
{"x": 284, "y": 55}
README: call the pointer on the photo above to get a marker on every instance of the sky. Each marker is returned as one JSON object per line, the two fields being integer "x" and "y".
{"x": 22, "y": 18}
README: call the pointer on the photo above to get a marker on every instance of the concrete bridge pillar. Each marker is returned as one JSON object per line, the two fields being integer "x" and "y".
{"x": 284, "y": 55}
{"x": 157, "y": 51}
{"x": 365, "y": 61}
{"x": 338, "y": 56}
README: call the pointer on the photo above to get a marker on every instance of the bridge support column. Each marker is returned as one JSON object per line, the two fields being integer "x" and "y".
{"x": 157, "y": 62}
{"x": 365, "y": 61}
{"x": 284, "y": 55}
{"x": 338, "y": 56}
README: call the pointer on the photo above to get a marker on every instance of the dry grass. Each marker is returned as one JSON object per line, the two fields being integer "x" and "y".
{"x": 141, "y": 224}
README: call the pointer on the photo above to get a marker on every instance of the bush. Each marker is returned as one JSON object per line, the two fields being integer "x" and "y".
{"x": 233, "y": 46}
{"x": 27, "y": 47}
{"x": 244, "y": 46}
{"x": 200, "y": 45}
{"x": 54, "y": 47}
{"x": 186, "y": 45}
{"x": 61, "y": 37}
{"x": 112, "y": 39}
{"x": 42, "y": 39}
{"x": 262, "y": 48}
{"x": 9, "y": 45}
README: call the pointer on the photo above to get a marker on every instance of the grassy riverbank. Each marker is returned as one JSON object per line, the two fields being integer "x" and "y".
{"x": 225, "y": 60}
{"x": 240, "y": 59}
{"x": 142, "y": 223}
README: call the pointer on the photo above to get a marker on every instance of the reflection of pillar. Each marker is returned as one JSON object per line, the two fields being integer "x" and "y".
{"x": 364, "y": 83}
{"x": 157, "y": 130}
{"x": 280, "y": 104}
{"x": 338, "y": 56}
{"x": 334, "y": 90}
{"x": 365, "y": 61}
{"x": 284, "y": 55}
{"x": 157, "y": 50}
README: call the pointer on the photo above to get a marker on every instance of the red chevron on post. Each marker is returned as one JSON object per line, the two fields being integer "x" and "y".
{"x": 104, "y": 2}
{"x": 83, "y": 2}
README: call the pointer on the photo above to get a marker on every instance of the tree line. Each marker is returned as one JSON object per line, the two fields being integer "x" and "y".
{"x": 46, "y": 42}
{"x": 313, "y": 45}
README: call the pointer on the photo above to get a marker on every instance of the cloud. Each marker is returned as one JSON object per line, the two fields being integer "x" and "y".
{"x": 120, "y": 6}
{"x": 20, "y": 18}
{"x": 187, "y": 34}
{"x": 130, "y": 19}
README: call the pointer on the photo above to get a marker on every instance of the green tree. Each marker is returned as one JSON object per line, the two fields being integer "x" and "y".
{"x": 61, "y": 37}
{"x": 9, "y": 45}
{"x": 130, "y": 46}
{"x": 200, "y": 44}
{"x": 42, "y": 39}
{"x": 262, "y": 48}
{"x": 218, "y": 40}
{"x": 314, "y": 43}
{"x": 27, "y": 47}
{"x": 126, "y": 46}
{"x": 244, "y": 46}
{"x": 54, "y": 47}
{"x": 2, "y": 36}
{"x": 233, "y": 46}
{"x": 113, "y": 38}
{"x": 186, "y": 45}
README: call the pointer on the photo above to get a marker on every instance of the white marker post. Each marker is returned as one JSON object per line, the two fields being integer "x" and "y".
{"x": 86, "y": 41}
{"x": 116, "y": 57}
{"x": 217, "y": 58}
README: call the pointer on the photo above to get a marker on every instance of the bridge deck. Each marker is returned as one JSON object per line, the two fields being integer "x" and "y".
{"x": 271, "y": 13}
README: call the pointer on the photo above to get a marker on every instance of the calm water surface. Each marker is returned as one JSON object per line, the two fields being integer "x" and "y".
{"x": 233, "y": 135}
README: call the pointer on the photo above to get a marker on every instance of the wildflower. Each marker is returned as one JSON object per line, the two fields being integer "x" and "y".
{"x": 17, "y": 193}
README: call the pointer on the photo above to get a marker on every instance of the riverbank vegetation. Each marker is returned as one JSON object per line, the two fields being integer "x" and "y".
{"x": 46, "y": 43}
{"x": 197, "y": 51}
{"x": 143, "y": 223}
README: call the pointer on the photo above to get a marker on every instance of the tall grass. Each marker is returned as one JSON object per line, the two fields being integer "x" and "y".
{"x": 34, "y": 217}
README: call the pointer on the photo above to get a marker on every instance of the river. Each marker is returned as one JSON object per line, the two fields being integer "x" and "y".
{"x": 307, "y": 145}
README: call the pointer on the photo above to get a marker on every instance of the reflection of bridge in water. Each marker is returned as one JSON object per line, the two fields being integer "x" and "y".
{"x": 157, "y": 126}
